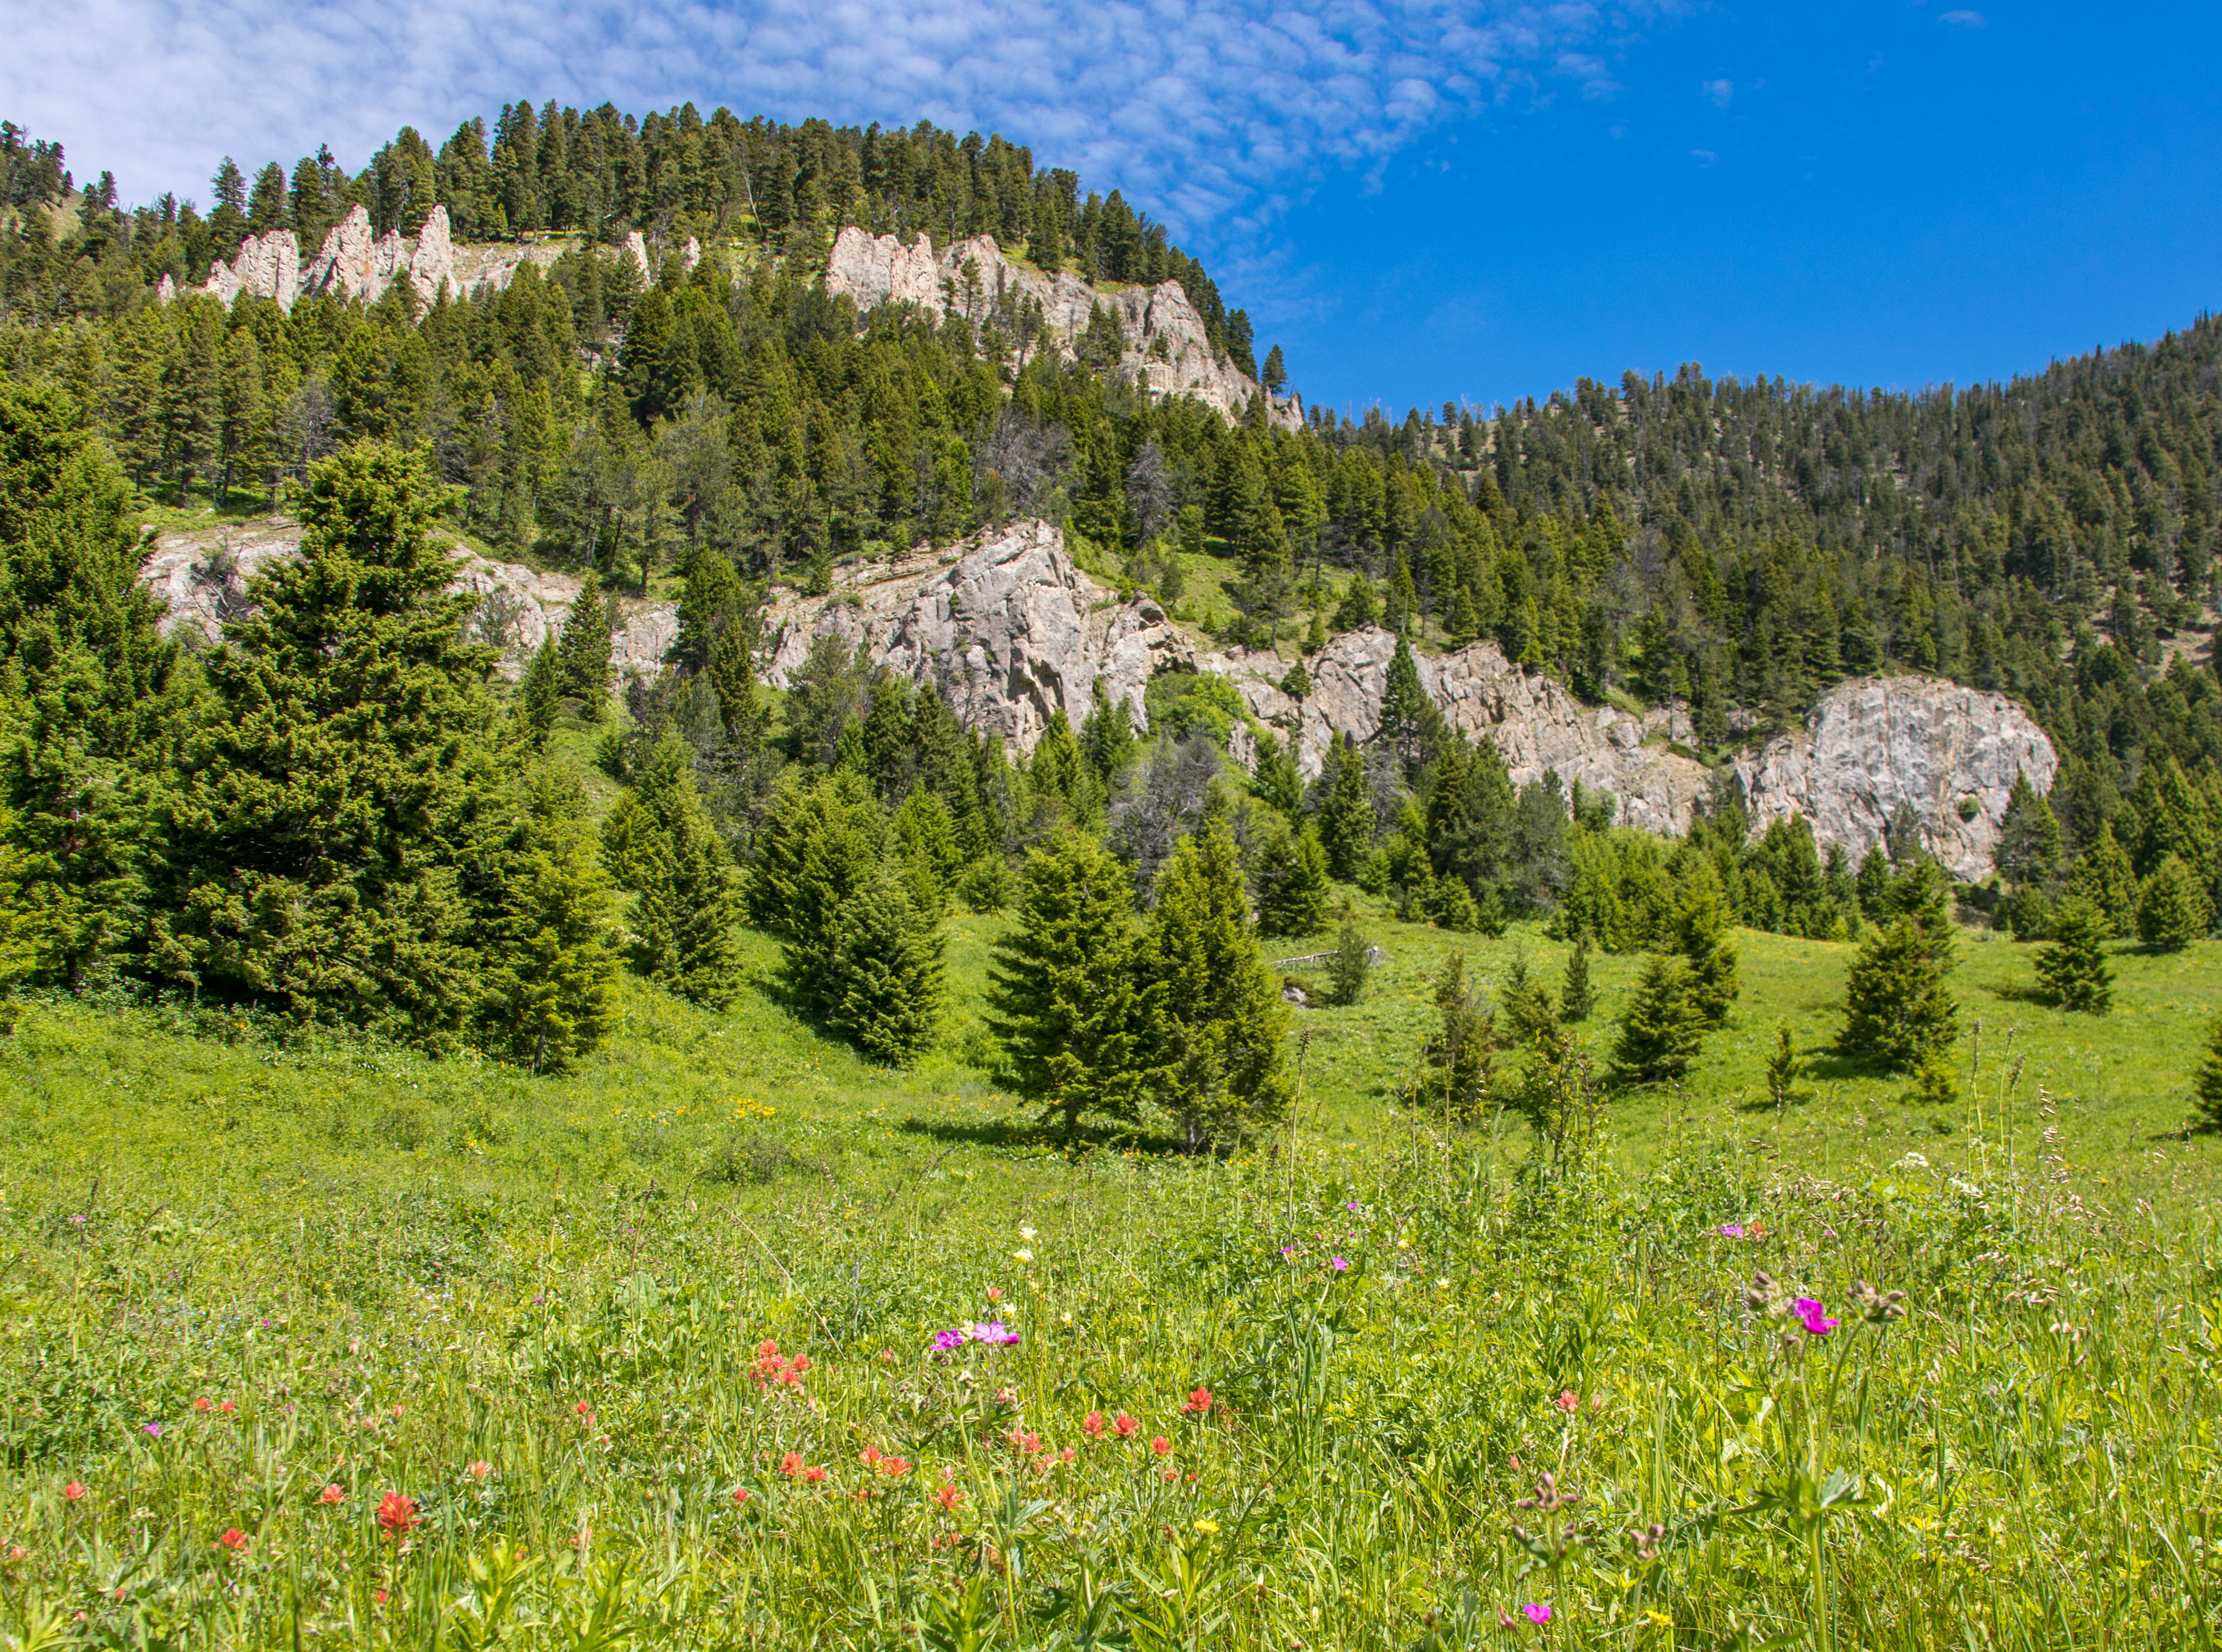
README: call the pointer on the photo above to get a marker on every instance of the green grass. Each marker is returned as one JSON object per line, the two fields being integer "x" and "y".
{"x": 319, "y": 1232}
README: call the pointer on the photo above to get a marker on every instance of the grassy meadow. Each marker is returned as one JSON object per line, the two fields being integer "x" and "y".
{"x": 313, "y": 1342}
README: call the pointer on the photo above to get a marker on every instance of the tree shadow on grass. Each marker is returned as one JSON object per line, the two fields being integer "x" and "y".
{"x": 1025, "y": 1132}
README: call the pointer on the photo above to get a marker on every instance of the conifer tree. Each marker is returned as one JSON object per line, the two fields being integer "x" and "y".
{"x": 1410, "y": 724}
{"x": 1346, "y": 809}
{"x": 1578, "y": 997}
{"x": 1457, "y": 1063}
{"x": 1106, "y": 738}
{"x": 1292, "y": 883}
{"x": 2072, "y": 969}
{"x": 884, "y": 990}
{"x": 2173, "y": 907}
{"x": 1663, "y": 1027}
{"x": 1896, "y": 1007}
{"x": 2103, "y": 876}
{"x": 1275, "y": 777}
{"x": 690, "y": 894}
{"x": 1872, "y": 884}
{"x": 2206, "y": 1083}
{"x": 813, "y": 856}
{"x": 1699, "y": 936}
{"x": 585, "y": 650}
{"x": 540, "y": 695}
{"x": 1217, "y": 1020}
{"x": 1782, "y": 1068}
{"x": 1065, "y": 998}
{"x": 2030, "y": 844}
{"x": 550, "y": 954}
{"x": 1056, "y": 767}
{"x": 923, "y": 835}
{"x": 312, "y": 842}
{"x": 1351, "y": 963}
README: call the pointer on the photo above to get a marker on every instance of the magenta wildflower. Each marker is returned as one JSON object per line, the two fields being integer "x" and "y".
{"x": 1731, "y": 1230}
{"x": 1338, "y": 1265}
{"x": 995, "y": 1332}
{"x": 1537, "y": 1614}
{"x": 950, "y": 1341}
{"x": 155, "y": 1429}
{"x": 1809, "y": 1313}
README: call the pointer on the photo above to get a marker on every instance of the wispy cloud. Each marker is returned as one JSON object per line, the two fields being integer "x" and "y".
{"x": 1719, "y": 93}
{"x": 1204, "y": 113}
{"x": 1963, "y": 20}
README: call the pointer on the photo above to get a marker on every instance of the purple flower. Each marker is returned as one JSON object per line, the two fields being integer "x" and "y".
{"x": 1288, "y": 1250}
{"x": 950, "y": 1341}
{"x": 995, "y": 1332}
{"x": 1352, "y": 1205}
{"x": 155, "y": 1429}
{"x": 1730, "y": 1230}
{"x": 1537, "y": 1614}
{"x": 1340, "y": 1265}
{"x": 1809, "y": 1312}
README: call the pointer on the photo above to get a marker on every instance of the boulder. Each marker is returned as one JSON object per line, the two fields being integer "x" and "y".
{"x": 1165, "y": 350}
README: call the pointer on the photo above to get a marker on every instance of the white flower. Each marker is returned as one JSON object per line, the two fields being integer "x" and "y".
{"x": 1024, "y": 1255}
{"x": 1027, "y": 1233}
{"x": 1911, "y": 1161}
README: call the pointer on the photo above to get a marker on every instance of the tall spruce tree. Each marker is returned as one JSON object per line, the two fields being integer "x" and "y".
{"x": 2173, "y": 907}
{"x": 1410, "y": 724}
{"x": 1700, "y": 935}
{"x": 312, "y": 840}
{"x": 1066, "y": 999}
{"x": 1663, "y": 1027}
{"x": 551, "y": 957}
{"x": 1346, "y": 809}
{"x": 1896, "y": 1009}
{"x": 1217, "y": 1021}
{"x": 1292, "y": 883}
{"x": 884, "y": 990}
{"x": 539, "y": 696}
{"x": 586, "y": 648}
{"x": 2103, "y": 876}
{"x": 1578, "y": 997}
{"x": 659, "y": 842}
{"x": 2072, "y": 968}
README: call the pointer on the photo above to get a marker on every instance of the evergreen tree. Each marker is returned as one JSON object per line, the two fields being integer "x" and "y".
{"x": 1663, "y": 1027}
{"x": 1782, "y": 1070}
{"x": 1578, "y": 997}
{"x": 1292, "y": 883}
{"x": 2030, "y": 843}
{"x": 1351, "y": 963}
{"x": 923, "y": 835}
{"x": 2173, "y": 907}
{"x": 1896, "y": 1007}
{"x": 820, "y": 846}
{"x": 312, "y": 841}
{"x": 550, "y": 955}
{"x": 2206, "y": 1083}
{"x": 690, "y": 893}
{"x": 1217, "y": 1020}
{"x": 585, "y": 650}
{"x": 884, "y": 992}
{"x": 2102, "y": 876}
{"x": 540, "y": 695}
{"x": 1410, "y": 724}
{"x": 1056, "y": 768}
{"x": 1064, "y": 997}
{"x": 1106, "y": 738}
{"x": 1275, "y": 777}
{"x": 1699, "y": 932}
{"x": 1872, "y": 884}
{"x": 2073, "y": 969}
{"x": 1346, "y": 809}
{"x": 1457, "y": 1063}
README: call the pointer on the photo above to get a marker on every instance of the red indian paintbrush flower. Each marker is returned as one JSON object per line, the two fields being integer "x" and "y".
{"x": 397, "y": 1514}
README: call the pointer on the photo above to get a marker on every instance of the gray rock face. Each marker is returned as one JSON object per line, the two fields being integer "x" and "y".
{"x": 202, "y": 577}
{"x": 1874, "y": 742}
{"x": 268, "y": 266}
{"x": 1003, "y": 624}
{"x": 1166, "y": 349}
{"x": 353, "y": 264}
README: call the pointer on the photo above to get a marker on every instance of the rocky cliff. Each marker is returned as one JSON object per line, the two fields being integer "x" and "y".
{"x": 203, "y": 576}
{"x": 1010, "y": 630}
{"x": 1166, "y": 349}
{"x": 355, "y": 264}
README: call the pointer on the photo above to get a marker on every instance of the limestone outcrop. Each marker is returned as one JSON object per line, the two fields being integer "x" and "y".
{"x": 202, "y": 578}
{"x": 1004, "y": 624}
{"x": 1166, "y": 349}
{"x": 355, "y": 264}
{"x": 1874, "y": 742}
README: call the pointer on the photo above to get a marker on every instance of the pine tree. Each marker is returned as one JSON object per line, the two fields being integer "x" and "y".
{"x": 1457, "y": 1063}
{"x": 1292, "y": 883}
{"x": 313, "y": 841}
{"x": 1782, "y": 1067}
{"x": 1106, "y": 738}
{"x": 1346, "y": 809}
{"x": 884, "y": 992}
{"x": 1896, "y": 1007}
{"x": 550, "y": 953}
{"x": 1410, "y": 724}
{"x": 1663, "y": 1027}
{"x": 2072, "y": 969}
{"x": 1056, "y": 768}
{"x": 923, "y": 835}
{"x": 2173, "y": 907}
{"x": 816, "y": 844}
{"x": 2206, "y": 1083}
{"x": 1578, "y": 997}
{"x": 1064, "y": 997}
{"x": 2030, "y": 844}
{"x": 1351, "y": 963}
{"x": 1872, "y": 884}
{"x": 690, "y": 893}
{"x": 540, "y": 695}
{"x": 586, "y": 648}
{"x": 1699, "y": 930}
{"x": 2103, "y": 876}
{"x": 1217, "y": 1021}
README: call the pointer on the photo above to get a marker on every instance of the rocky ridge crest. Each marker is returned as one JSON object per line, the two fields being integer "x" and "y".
{"x": 355, "y": 264}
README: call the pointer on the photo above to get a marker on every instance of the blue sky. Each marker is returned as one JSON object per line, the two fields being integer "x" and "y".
{"x": 1422, "y": 200}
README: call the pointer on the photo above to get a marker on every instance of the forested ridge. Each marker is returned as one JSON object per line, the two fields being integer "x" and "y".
{"x": 708, "y": 429}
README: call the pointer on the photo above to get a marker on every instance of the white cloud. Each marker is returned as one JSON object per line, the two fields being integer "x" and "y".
{"x": 1718, "y": 93}
{"x": 1205, "y": 114}
{"x": 1964, "y": 20}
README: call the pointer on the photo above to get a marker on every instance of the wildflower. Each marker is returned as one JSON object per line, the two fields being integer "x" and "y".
{"x": 1537, "y": 1615}
{"x": 948, "y": 1496}
{"x": 332, "y": 1497}
{"x": 1338, "y": 1265}
{"x": 580, "y": 1409}
{"x": 1125, "y": 1426}
{"x": 1567, "y": 1402}
{"x": 1288, "y": 1250}
{"x": 397, "y": 1514}
{"x": 1198, "y": 1402}
{"x": 154, "y": 1429}
{"x": 894, "y": 1468}
{"x": 1022, "y": 1255}
{"x": 1027, "y": 1233}
{"x": 15, "y": 1553}
{"x": 479, "y": 1471}
{"x": 741, "y": 1495}
{"x": 1065, "y": 1455}
{"x": 233, "y": 1539}
{"x": 379, "y": 1595}
{"x": 203, "y": 1404}
{"x": 886, "y": 1356}
{"x": 791, "y": 1464}
{"x": 1878, "y": 1307}
{"x": 1730, "y": 1230}
{"x": 1160, "y": 1445}
{"x": 1808, "y": 1313}
{"x": 995, "y": 1332}
{"x": 1092, "y": 1425}
{"x": 73, "y": 1491}
{"x": 994, "y": 1294}
{"x": 227, "y": 1407}
{"x": 1206, "y": 1527}
{"x": 950, "y": 1341}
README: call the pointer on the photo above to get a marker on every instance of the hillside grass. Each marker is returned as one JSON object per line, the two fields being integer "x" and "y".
{"x": 534, "y": 1306}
